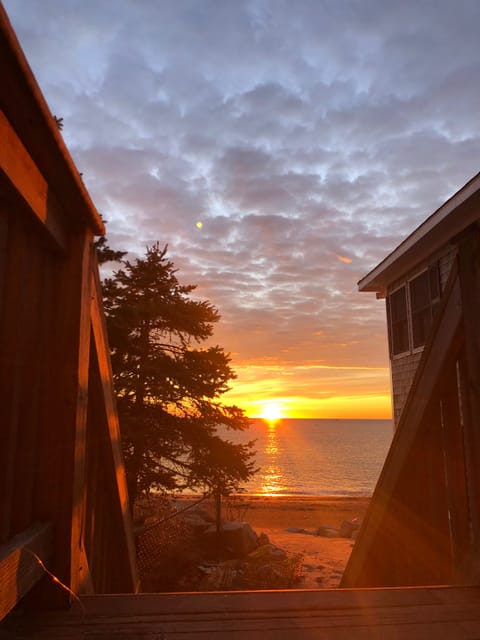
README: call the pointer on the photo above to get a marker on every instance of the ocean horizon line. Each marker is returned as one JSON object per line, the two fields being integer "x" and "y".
{"x": 324, "y": 419}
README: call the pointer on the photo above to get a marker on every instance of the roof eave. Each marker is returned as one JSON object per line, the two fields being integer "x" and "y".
{"x": 454, "y": 216}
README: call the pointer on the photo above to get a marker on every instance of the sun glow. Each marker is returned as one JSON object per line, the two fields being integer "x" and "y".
{"x": 272, "y": 412}
{"x": 346, "y": 392}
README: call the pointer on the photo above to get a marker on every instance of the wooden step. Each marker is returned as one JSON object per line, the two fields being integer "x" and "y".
{"x": 349, "y": 614}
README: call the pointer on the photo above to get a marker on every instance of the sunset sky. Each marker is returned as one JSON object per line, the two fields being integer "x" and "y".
{"x": 307, "y": 137}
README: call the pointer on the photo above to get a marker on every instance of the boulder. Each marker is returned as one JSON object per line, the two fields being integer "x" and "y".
{"x": 327, "y": 532}
{"x": 197, "y": 522}
{"x": 349, "y": 527}
{"x": 201, "y": 513}
{"x": 238, "y": 537}
{"x": 263, "y": 539}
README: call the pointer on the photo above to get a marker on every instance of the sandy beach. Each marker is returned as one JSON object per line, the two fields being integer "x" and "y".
{"x": 324, "y": 558}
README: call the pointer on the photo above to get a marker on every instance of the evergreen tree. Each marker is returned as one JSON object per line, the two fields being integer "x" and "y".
{"x": 105, "y": 254}
{"x": 168, "y": 387}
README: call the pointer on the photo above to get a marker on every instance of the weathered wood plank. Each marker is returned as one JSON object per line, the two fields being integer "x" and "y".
{"x": 402, "y": 614}
{"x": 469, "y": 276}
{"x": 261, "y": 601}
{"x": 456, "y": 479}
{"x": 80, "y": 408}
{"x": 113, "y": 438}
{"x": 61, "y": 450}
{"x": 3, "y": 250}
{"x": 24, "y": 176}
{"x": 369, "y": 625}
{"x": 105, "y": 537}
{"x": 432, "y": 500}
{"x": 12, "y": 351}
{"x": 19, "y": 568}
{"x": 32, "y": 335}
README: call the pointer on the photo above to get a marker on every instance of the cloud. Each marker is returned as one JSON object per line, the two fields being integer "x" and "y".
{"x": 307, "y": 142}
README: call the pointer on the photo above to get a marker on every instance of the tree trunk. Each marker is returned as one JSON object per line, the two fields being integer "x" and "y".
{"x": 218, "y": 510}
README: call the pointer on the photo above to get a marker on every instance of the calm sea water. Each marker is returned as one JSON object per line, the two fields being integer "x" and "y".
{"x": 318, "y": 457}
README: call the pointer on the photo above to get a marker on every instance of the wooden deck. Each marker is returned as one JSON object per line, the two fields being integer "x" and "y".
{"x": 352, "y": 614}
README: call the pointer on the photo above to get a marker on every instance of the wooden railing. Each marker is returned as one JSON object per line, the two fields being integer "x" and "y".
{"x": 422, "y": 526}
{"x": 60, "y": 453}
{"x": 63, "y": 498}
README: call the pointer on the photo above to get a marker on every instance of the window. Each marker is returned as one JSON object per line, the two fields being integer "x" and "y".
{"x": 424, "y": 299}
{"x": 421, "y": 311}
{"x": 398, "y": 319}
{"x": 411, "y": 310}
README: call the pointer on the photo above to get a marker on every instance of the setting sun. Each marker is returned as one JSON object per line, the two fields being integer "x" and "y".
{"x": 347, "y": 392}
{"x": 272, "y": 412}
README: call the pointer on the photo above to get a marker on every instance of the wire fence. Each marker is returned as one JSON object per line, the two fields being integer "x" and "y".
{"x": 168, "y": 538}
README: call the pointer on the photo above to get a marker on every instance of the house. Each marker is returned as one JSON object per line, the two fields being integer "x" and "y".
{"x": 423, "y": 525}
{"x": 412, "y": 279}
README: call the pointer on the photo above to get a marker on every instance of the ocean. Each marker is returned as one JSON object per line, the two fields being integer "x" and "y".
{"x": 317, "y": 457}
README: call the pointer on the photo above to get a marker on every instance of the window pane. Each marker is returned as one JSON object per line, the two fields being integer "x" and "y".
{"x": 419, "y": 296}
{"x": 421, "y": 308}
{"x": 398, "y": 321}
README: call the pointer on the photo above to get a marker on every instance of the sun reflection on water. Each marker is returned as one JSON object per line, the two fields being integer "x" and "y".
{"x": 272, "y": 441}
{"x": 272, "y": 476}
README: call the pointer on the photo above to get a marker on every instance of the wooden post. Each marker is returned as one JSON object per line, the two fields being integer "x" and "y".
{"x": 108, "y": 429}
{"x": 469, "y": 275}
{"x": 455, "y": 477}
{"x": 60, "y": 491}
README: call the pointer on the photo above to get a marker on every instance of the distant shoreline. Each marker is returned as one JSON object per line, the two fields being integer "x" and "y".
{"x": 281, "y": 496}
{"x": 285, "y": 511}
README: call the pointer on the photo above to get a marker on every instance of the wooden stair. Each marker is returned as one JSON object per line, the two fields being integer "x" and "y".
{"x": 442, "y": 613}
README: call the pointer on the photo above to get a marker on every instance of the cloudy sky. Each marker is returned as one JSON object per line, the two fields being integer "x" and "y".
{"x": 308, "y": 137}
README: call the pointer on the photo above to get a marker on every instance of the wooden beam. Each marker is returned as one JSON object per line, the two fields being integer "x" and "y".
{"x": 61, "y": 453}
{"x": 456, "y": 478}
{"x": 469, "y": 275}
{"x": 23, "y": 175}
{"x": 84, "y": 255}
{"x": 19, "y": 568}
{"x": 99, "y": 331}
